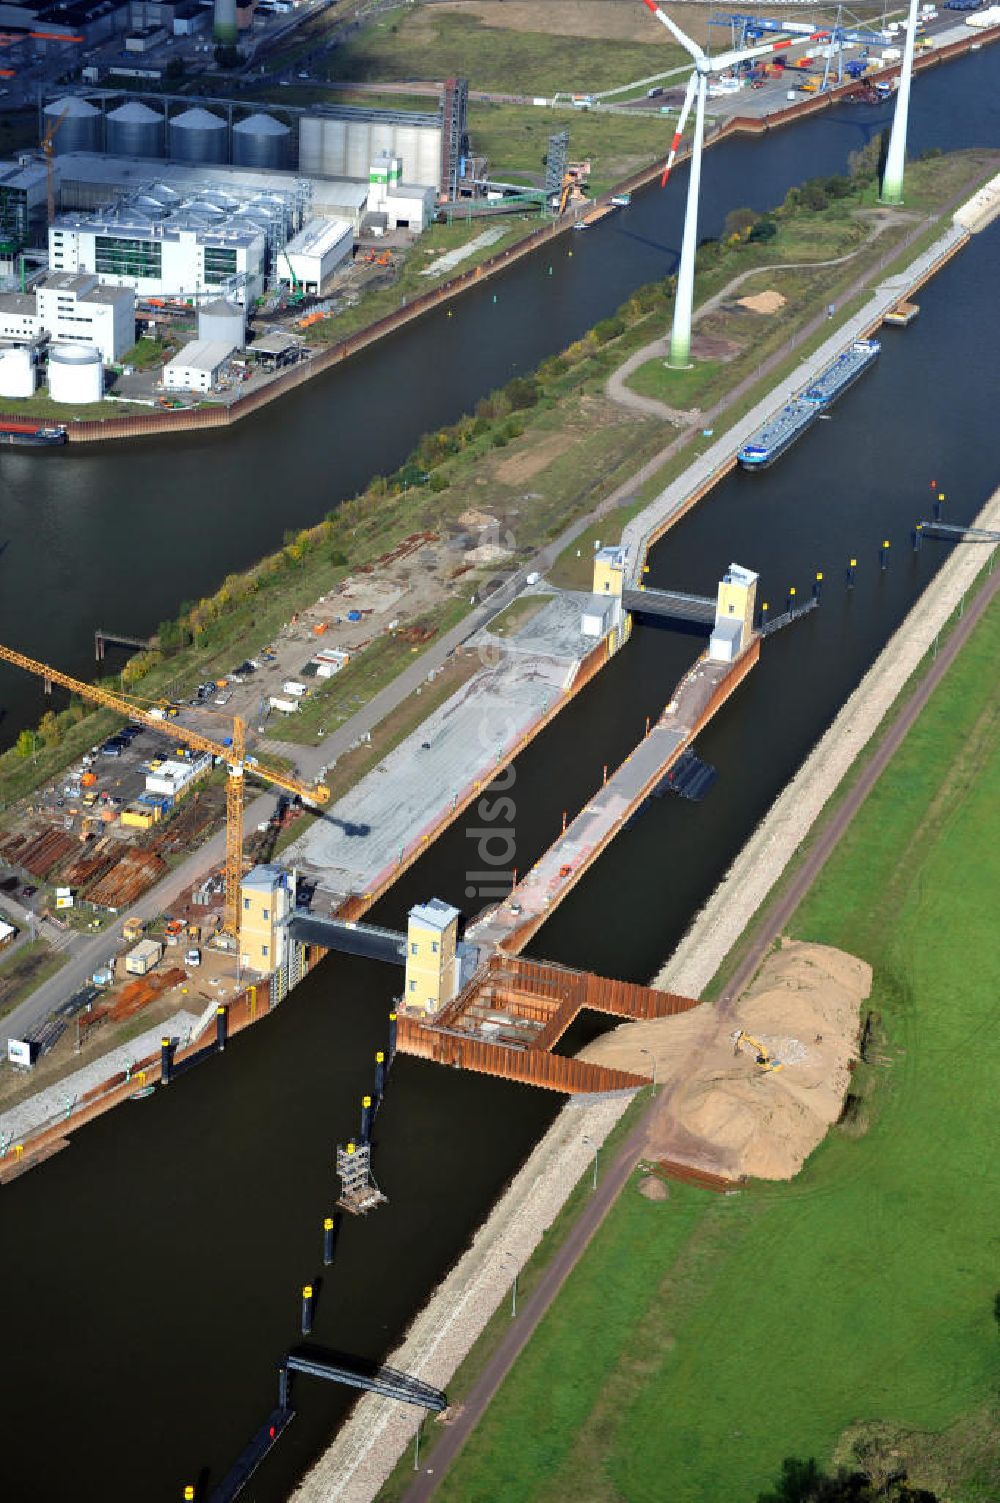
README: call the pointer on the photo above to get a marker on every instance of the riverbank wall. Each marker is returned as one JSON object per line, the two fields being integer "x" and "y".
{"x": 763, "y": 860}
{"x": 49, "y": 1136}
{"x": 210, "y": 419}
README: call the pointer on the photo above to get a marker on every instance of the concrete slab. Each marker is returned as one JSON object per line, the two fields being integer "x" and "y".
{"x": 553, "y": 633}
{"x": 55, "y": 1101}
{"x": 406, "y": 795}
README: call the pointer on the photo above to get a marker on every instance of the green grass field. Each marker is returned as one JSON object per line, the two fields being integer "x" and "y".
{"x": 431, "y": 44}
{"x": 702, "y": 1341}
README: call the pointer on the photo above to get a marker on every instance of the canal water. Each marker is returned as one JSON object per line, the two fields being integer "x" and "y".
{"x": 154, "y": 1267}
{"x": 118, "y": 537}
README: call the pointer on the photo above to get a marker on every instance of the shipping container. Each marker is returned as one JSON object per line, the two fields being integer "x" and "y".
{"x": 144, "y": 957}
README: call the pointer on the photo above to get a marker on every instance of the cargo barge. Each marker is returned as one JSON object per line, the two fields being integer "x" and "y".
{"x": 844, "y": 371}
{"x": 781, "y": 431}
{"x": 32, "y": 435}
{"x": 777, "y": 435}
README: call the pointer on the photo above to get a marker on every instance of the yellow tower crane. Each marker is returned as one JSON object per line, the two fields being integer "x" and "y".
{"x": 48, "y": 144}
{"x": 235, "y": 757}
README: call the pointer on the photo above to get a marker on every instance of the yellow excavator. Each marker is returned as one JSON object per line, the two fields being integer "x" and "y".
{"x": 744, "y": 1040}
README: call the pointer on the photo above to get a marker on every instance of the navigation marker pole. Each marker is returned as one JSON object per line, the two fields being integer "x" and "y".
{"x": 895, "y": 161}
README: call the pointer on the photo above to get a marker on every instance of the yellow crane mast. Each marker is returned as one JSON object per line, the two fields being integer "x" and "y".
{"x": 235, "y": 757}
{"x": 48, "y": 144}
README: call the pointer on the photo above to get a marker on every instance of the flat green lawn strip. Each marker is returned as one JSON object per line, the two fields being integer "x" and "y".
{"x": 863, "y": 1291}
{"x": 537, "y": 1417}
{"x": 682, "y": 389}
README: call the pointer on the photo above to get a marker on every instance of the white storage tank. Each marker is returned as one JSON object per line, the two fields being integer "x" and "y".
{"x": 134, "y": 130}
{"x": 261, "y": 141}
{"x": 196, "y": 135}
{"x": 76, "y": 373}
{"x": 17, "y": 373}
{"x": 79, "y": 124}
{"x": 223, "y": 322}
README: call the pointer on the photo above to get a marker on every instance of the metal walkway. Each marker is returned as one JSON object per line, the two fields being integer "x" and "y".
{"x": 347, "y": 938}
{"x": 952, "y": 534}
{"x": 770, "y": 627}
{"x": 670, "y": 605}
{"x": 384, "y": 1380}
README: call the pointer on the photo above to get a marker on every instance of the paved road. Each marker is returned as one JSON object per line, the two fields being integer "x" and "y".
{"x": 772, "y": 925}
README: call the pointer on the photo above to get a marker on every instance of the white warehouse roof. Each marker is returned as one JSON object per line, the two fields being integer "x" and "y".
{"x": 201, "y": 355}
{"x": 319, "y": 236}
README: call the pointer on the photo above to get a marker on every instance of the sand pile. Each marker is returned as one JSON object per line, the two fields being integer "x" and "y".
{"x": 763, "y": 302}
{"x": 719, "y": 1109}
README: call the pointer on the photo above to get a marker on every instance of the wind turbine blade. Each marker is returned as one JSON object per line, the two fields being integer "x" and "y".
{"x": 727, "y": 59}
{"x": 674, "y": 29}
{"x": 681, "y": 122}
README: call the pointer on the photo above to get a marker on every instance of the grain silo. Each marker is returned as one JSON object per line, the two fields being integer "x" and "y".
{"x": 78, "y": 124}
{"x": 17, "y": 373}
{"x": 196, "y": 135}
{"x": 76, "y": 373}
{"x": 223, "y": 322}
{"x": 261, "y": 141}
{"x": 134, "y": 130}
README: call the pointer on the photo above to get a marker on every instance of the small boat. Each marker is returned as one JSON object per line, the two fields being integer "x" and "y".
{"x": 621, "y": 200}
{"x": 142, "y": 1093}
{"x": 34, "y": 435}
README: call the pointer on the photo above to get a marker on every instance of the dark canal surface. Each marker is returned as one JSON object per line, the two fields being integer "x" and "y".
{"x": 153, "y": 1269}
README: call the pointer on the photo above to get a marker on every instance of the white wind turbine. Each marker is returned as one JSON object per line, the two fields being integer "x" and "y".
{"x": 697, "y": 89}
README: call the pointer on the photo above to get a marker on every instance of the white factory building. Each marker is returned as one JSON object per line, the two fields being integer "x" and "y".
{"x": 199, "y": 366}
{"x": 175, "y": 259}
{"x": 171, "y": 778}
{"x": 316, "y": 251}
{"x": 72, "y": 309}
{"x": 402, "y": 206}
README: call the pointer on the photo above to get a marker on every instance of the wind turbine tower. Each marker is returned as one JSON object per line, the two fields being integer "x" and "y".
{"x": 697, "y": 90}
{"x": 895, "y": 161}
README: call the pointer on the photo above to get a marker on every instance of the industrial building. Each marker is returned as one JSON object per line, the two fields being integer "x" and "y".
{"x": 267, "y": 901}
{"x": 403, "y": 206}
{"x": 173, "y": 778}
{"x": 72, "y": 309}
{"x": 335, "y": 141}
{"x": 23, "y": 198}
{"x": 433, "y": 965}
{"x": 316, "y": 251}
{"x": 166, "y": 244}
{"x": 199, "y": 366}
